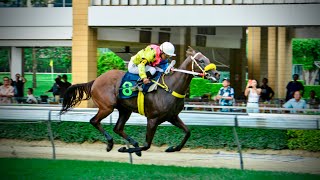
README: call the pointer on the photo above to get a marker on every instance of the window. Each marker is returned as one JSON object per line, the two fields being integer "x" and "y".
{"x": 145, "y": 36}
{"x": 163, "y": 37}
{"x": 201, "y": 40}
{"x": 165, "y": 29}
{"x": 207, "y": 30}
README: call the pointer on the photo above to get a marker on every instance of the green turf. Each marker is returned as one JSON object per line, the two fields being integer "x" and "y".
{"x": 44, "y": 82}
{"x": 74, "y": 169}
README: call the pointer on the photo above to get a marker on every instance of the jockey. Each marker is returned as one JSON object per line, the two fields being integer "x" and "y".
{"x": 145, "y": 62}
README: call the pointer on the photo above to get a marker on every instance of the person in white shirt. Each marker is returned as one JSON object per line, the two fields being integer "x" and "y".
{"x": 31, "y": 99}
{"x": 253, "y": 93}
{"x": 6, "y": 91}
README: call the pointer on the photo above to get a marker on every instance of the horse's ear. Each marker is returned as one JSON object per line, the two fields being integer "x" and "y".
{"x": 190, "y": 51}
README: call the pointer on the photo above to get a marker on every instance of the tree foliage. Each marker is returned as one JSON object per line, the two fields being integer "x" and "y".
{"x": 61, "y": 57}
{"x": 4, "y": 60}
{"x": 108, "y": 61}
{"x": 305, "y": 52}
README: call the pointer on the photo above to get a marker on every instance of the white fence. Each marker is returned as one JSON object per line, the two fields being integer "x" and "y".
{"x": 34, "y": 113}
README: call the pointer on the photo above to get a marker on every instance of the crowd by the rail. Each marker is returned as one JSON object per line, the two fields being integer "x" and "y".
{"x": 255, "y": 96}
{"x": 12, "y": 91}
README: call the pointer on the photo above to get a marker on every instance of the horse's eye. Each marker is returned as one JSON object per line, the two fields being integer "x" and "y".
{"x": 201, "y": 61}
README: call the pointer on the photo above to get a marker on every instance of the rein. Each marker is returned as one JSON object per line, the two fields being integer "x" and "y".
{"x": 166, "y": 88}
{"x": 194, "y": 61}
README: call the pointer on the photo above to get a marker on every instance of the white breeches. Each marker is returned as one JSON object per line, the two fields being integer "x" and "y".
{"x": 132, "y": 68}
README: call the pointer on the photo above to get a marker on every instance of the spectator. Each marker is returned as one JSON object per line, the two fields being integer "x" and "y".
{"x": 55, "y": 89}
{"x": 266, "y": 91}
{"x": 225, "y": 95}
{"x": 253, "y": 93}
{"x": 11, "y": 82}
{"x": 31, "y": 99}
{"x": 63, "y": 85}
{"x": 313, "y": 100}
{"x": 296, "y": 102}
{"x": 18, "y": 87}
{"x": 6, "y": 91}
{"x": 294, "y": 86}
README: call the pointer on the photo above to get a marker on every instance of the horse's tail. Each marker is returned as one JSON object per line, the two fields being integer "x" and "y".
{"x": 75, "y": 94}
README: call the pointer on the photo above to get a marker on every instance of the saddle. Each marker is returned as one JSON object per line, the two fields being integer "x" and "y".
{"x": 131, "y": 84}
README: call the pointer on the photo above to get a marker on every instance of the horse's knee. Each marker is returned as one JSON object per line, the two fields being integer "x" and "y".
{"x": 93, "y": 122}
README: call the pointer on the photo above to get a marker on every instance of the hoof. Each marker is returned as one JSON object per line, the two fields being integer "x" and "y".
{"x": 109, "y": 147}
{"x": 170, "y": 149}
{"x": 123, "y": 149}
{"x": 138, "y": 153}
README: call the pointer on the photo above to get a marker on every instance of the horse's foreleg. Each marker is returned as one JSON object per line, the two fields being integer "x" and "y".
{"x": 151, "y": 130}
{"x": 178, "y": 123}
{"x": 95, "y": 121}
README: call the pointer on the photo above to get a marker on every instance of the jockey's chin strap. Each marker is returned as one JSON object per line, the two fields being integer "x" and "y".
{"x": 166, "y": 88}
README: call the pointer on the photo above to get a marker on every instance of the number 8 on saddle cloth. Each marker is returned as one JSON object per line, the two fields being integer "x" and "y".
{"x": 129, "y": 81}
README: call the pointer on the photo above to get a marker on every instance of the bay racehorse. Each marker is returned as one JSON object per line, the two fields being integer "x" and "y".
{"x": 160, "y": 105}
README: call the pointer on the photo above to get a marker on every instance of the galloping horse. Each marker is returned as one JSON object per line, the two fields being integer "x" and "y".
{"x": 160, "y": 105}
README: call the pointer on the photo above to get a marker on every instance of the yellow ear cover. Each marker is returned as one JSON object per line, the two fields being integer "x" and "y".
{"x": 209, "y": 67}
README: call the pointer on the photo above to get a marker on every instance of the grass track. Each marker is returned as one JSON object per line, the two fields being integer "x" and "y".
{"x": 74, "y": 169}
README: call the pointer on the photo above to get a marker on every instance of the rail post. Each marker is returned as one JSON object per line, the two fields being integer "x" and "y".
{"x": 237, "y": 141}
{"x": 51, "y": 135}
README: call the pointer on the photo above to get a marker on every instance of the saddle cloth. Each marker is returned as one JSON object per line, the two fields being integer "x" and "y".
{"x": 129, "y": 81}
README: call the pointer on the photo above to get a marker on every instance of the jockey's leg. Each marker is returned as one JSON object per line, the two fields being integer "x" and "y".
{"x": 150, "y": 71}
{"x": 132, "y": 68}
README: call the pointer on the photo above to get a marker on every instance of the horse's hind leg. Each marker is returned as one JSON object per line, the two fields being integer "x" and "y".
{"x": 124, "y": 115}
{"x": 151, "y": 130}
{"x": 95, "y": 121}
{"x": 176, "y": 121}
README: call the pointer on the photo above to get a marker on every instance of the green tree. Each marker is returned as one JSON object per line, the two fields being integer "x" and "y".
{"x": 61, "y": 57}
{"x": 108, "y": 61}
{"x": 4, "y": 60}
{"x": 306, "y": 52}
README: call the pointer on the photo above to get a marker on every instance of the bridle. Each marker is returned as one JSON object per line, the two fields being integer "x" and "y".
{"x": 194, "y": 62}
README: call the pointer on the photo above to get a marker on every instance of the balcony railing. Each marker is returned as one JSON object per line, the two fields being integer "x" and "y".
{"x": 197, "y": 2}
{"x": 35, "y": 3}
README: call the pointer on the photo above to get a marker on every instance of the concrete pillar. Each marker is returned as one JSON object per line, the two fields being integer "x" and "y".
{"x": 270, "y": 55}
{"x": 84, "y": 47}
{"x": 284, "y": 69}
{"x": 16, "y": 62}
{"x": 272, "y": 59}
{"x": 263, "y": 54}
{"x": 238, "y": 63}
{"x": 254, "y": 52}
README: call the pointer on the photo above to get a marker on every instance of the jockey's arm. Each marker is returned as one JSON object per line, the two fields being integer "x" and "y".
{"x": 142, "y": 69}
